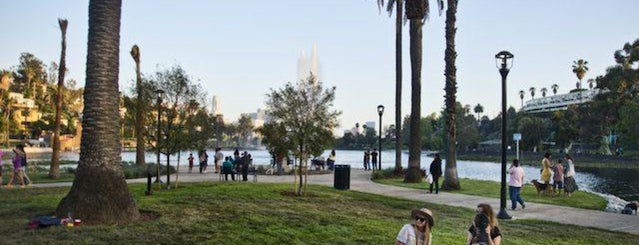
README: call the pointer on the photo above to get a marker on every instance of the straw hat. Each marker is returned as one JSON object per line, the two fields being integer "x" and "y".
{"x": 424, "y": 212}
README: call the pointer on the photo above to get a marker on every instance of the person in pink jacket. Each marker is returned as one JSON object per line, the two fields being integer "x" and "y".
{"x": 515, "y": 183}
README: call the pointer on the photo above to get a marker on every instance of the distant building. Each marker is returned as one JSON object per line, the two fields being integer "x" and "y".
{"x": 308, "y": 65}
{"x": 560, "y": 101}
{"x": 370, "y": 124}
{"x": 259, "y": 118}
{"x": 216, "y": 108}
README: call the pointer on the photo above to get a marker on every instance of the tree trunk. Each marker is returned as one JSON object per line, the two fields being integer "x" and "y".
{"x": 398, "y": 85}
{"x": 451, "y": 181}
{"x": 415, "y": 140}
{"x": 140, "y": 123}
{"x": 99, "y": 194}
{"x": 54, "y": 169}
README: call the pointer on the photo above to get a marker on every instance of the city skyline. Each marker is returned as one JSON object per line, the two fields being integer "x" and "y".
{"x": 233, "y": 56}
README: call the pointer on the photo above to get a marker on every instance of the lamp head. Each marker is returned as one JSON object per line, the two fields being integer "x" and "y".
{"x": 504, "y": 60}
{"x": 380, "y": 109}
{"x": 159, "y": 93}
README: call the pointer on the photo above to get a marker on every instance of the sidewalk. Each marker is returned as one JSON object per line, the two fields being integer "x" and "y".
{"x": 360, "y": 181}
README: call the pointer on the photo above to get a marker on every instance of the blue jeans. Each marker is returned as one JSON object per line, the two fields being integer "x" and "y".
{"x": 515, "y": 196}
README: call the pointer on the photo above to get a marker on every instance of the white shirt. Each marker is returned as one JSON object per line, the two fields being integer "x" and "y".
{"x": 407, "y": 236}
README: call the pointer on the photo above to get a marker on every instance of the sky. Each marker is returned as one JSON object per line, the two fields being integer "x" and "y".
{"x": 239, "y": 50}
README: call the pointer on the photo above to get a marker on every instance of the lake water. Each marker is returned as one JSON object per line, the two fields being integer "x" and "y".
{"x": 614, "y": 184}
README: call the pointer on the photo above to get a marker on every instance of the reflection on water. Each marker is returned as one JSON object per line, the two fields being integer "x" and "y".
{"x": 622, "y": 183}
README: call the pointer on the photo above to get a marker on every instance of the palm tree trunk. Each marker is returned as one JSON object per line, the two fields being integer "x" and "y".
{"x": 54, "y": 169}
{"x": 451, "y": 182}
{"x": 415, "y": 139}
{"x": 398, "y": 85}
{"x": 99, "y": 194}
{"x": 139, "y": 115}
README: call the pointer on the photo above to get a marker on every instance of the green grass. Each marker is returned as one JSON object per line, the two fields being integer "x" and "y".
{"x": 41, "y": 176}
{"x": 579, "y": 199}
{"x": 248, "y": 213}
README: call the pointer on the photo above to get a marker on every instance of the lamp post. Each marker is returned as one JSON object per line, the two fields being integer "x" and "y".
{"x": 159, "y": 94}
{"x": 504, "y": 61}
{"x": 380, "y": 111}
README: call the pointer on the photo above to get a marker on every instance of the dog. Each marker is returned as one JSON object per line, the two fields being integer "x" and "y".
{"x": 630, "y": 208}
{"x": 547, "y": 189}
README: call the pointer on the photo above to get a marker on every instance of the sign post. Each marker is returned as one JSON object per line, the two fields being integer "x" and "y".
{"x": 517, "y": 138}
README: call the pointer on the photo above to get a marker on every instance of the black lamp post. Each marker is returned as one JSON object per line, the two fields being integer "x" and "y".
{"x": 504, "y": 61}
{"x": 380, "y": 111}
{"x": 159, "y": 94}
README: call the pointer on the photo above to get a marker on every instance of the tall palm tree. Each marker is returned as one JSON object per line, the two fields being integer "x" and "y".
{"x": 532, "y": 92}
{"x": 54, "y": 169}
{"x": 6, "y": 104}
{"x": 99, "y": 194}
{"x": 591, "y": 83}
{"x": 580, "y": 67}
{"x": 398, "y": 75}
{"x": 140, "y": 123}
{"x": 543, "y": 92}
{"x": 451, "y": 180}
{"x": 417, "y": 11}
{"x": 554, "y": 88}
{"x": 479, "y": 109}
{"x": 521, "y": 96}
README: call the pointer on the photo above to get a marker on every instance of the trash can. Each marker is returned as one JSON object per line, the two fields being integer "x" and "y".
{"x": 342, "y": 178}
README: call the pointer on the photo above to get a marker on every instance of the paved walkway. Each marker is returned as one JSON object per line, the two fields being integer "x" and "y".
{"x": 360, "y": 181}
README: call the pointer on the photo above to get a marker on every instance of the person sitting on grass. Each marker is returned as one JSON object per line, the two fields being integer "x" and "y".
{"x": 419, "y": 232}
{"x": 481, "y": 229}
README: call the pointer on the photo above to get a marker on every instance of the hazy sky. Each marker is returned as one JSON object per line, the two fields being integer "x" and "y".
{"x": 238, "y": 50}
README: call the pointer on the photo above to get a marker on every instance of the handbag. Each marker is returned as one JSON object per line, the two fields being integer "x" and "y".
{"x": 429, "y": 178}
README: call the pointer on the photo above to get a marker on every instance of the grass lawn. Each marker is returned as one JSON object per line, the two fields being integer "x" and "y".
{"x": 249, "y": 213}
{"x": 579, "y": 199}
{"x": 40, "y": 176}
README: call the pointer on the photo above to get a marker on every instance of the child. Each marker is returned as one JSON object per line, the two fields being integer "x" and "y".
{"x": 558, "y": 178}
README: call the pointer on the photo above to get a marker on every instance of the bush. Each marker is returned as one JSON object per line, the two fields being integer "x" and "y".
{"x": 132, "y": 171}
{"x": 387, "y": 173}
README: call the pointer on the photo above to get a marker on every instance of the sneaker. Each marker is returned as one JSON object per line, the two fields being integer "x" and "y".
{"x": 523, "y": 206}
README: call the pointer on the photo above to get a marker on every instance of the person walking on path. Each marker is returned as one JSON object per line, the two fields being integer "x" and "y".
{"x": 515, "y": 183}
{"x": 558, "y": 176}
{"x": 545, "y": 170}
{"x": 374, "y": 158}
{"x": 190, "y": 162}
{"x": 219, "y": 157}
{"x": 418, "y": 232}
{"x": 25, "y": 166}
{"x": 203, "y": 161}
{"x": 367, "y": 159}
{"x": 492, "y": 230}
{"x": 570, "y": 185}
{"x": 436, "y": 172}
{"x": 17, "y": 169}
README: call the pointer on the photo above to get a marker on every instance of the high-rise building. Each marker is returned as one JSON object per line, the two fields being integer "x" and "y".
{"x": 308, "y": 65}
{"x": 216, "y": 108}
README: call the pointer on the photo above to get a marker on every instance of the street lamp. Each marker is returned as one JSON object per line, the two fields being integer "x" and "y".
{"x": 380, "y": 111}
{"x": 504, "y": 61}
{"x": 159, "y": 94}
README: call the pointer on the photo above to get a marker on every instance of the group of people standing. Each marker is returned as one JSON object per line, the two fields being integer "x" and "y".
{"x": 370, "y": 157}
{"x": 562, "y": 174}
{"x": 19, "y": 172}
{"x": 239, "y": 163}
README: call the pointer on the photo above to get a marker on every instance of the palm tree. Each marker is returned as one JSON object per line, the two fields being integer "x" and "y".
{"x": 580, "y": 67}
{"x": 417, "y": 11}
{"x": 521, "y": 96}
{"x": 479, "y": 109}
{"x": 451, "y": 180}
{"x": 554, "y": 88}
{"x": 398, "y": 76}
{"x": 6, "y": 104}
{"x": 591, "y": 83}
{"x": 532, "y": 92}
{"x": 99, "y": 194}
{"x": 54, "y": 169}
{"x": 139, "y": 114}
{"x": 543, "y": 92}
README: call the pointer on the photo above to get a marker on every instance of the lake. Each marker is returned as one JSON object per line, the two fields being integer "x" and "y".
{"x": 613, "y": 184}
